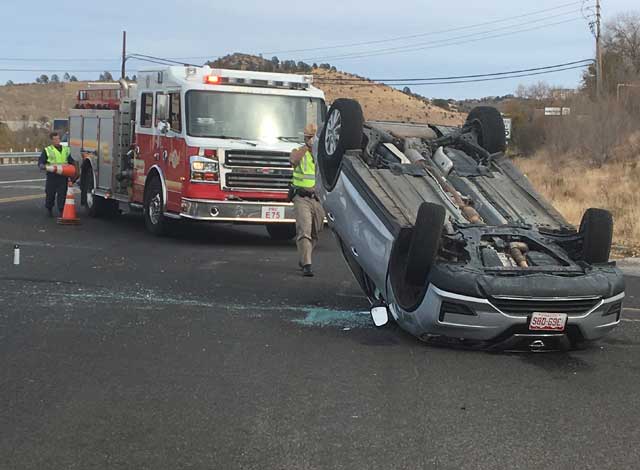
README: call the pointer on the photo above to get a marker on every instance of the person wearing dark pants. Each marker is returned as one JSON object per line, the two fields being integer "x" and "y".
{"x": 56, "y": 185}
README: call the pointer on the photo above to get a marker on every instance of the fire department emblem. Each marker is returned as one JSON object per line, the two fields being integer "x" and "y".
{"x": 174, "y": 159}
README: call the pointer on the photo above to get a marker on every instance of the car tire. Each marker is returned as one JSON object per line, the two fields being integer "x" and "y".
{"x": 489, "y": 128}
{"x": 596, "y": 228}
{"x": 281, "y": 232}
{"x": 154, "y": 219}
{"x": 342, "y": 131}
{"x": 424, "y": 243}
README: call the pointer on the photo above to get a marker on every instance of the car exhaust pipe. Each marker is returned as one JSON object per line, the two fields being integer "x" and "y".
{"x": 517, "y": 251}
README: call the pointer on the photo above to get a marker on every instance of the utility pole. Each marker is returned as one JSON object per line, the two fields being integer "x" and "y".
{"x": 124, "y": 54}
{"x": 598, "y": 51}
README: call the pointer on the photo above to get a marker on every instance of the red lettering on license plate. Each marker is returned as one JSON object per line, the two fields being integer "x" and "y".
{"x": 543, "y": 321}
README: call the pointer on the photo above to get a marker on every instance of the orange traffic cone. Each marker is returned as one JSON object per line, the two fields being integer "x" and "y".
{"x": 69, "y": 216}
{"x": 64, "y": 170}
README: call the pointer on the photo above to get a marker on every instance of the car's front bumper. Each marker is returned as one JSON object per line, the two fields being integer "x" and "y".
{"x": 486, "y": 324}
{"x": 238, "y": 211}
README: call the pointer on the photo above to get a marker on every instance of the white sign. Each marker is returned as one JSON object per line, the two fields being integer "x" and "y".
{"x": 507, "y": 128}
{"x": 557, "y": 111}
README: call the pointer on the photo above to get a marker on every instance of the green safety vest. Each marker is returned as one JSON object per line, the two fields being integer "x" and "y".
{"x": 304, "y": 174}
{"x": 55, "y": 157}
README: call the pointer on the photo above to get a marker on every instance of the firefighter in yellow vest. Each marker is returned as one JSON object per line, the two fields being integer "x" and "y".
{"x": 308, "y": 210}
{"x": 56, "y": 185}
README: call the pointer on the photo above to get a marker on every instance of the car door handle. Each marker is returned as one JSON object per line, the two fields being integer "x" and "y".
{"x": 355, "y": 252}
{"x": 331, "y": 217}
{"x": 156, "y": 156}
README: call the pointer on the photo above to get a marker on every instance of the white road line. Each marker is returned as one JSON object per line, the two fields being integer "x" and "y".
{"x": 631, "y": 309}
{"x": 21, "y": 181}
{"x": 631, "y": 320}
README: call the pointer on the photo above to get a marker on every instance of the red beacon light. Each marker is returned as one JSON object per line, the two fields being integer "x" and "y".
{"x": 212, "y": 79}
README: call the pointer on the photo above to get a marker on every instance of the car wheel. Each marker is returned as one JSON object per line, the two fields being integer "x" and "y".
{"x": 342, "y": 131}
{"x": 488, "y": 125}
{"x": 154, "y": 219}
{"x": 282, "y": 232}
{"x": 424, "y": 243}
{"x": 597, "y": 232}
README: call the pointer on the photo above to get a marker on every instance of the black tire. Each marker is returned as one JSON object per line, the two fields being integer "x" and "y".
{"x": 424, "y": 244}
{"x": 342, "y": 131}
{"x": 597, "y": 232}
{"x": 94, "y": 206}
{"x": 489, "y": 127}
{"x": 281, "y": 232}
{"x": 154, "y": 219}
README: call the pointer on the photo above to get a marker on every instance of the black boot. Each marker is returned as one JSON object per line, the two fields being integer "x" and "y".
{"x": 307, "y": 271}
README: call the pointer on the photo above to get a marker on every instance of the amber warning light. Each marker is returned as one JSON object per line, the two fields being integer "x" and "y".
{"x": 212, "y": 79}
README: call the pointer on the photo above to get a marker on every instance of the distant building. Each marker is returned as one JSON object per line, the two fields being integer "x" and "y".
{"x": 562, "y": 93}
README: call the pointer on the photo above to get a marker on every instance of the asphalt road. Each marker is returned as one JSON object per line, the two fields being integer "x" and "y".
{"x": 208, "y": 350}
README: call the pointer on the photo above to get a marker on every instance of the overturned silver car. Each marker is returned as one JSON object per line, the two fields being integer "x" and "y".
{"x": 441, "y": 230}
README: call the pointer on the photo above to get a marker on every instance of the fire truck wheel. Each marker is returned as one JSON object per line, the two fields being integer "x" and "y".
{"x": 154, "y": 219}
{"x": 281, "y": 231}
{"x": 95, "y": 206}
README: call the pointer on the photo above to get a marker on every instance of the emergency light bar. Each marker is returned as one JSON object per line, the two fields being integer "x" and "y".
{"x": 256, "y": 79}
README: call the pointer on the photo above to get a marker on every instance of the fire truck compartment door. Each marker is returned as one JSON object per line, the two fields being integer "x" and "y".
{"x": 105, "y": 153}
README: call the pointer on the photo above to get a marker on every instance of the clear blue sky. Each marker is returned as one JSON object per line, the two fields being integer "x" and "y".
{"x": 61, "y": 31}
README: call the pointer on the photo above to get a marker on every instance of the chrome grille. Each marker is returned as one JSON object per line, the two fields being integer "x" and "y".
{"x": 247, "y": 169}
{"x": 250, "y": 158}
{"x": 524, "y": 306}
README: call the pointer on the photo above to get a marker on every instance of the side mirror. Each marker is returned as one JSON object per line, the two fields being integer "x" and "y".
{"x": 380, "y": 316}
{"x": 164, "y": 127}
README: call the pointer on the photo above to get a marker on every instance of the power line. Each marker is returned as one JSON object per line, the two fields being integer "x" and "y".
{"x": 452, "y": 82}
{"x": 493, "y": 74}
{"x": 22, "y": 59}
{"x": 430, "y": 33}
{"x": 447, "y": 42}
{"x": 61, "y": 70}
{"x": 159, "y": 60}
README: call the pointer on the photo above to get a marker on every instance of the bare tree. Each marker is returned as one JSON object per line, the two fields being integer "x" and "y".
{"x": 621, "y": 54}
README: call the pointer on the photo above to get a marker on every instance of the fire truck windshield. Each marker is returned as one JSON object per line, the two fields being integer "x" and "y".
{"x": 250, "y": 116}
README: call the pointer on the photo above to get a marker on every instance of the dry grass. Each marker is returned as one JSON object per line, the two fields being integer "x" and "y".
{"x": 573, "y": 186}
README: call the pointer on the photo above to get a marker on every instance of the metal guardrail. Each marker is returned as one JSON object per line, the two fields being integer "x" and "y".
{"x": 18, "y": 158}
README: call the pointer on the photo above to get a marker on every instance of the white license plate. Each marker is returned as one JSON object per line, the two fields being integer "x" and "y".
{"x": 273, "y": 213}
{"x": 542, "y": 321}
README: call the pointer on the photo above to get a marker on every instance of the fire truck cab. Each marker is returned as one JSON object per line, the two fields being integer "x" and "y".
{"x": 195, "y": 143}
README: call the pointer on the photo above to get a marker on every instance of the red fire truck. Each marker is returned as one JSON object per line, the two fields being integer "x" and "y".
{"x": 195, "y": 143}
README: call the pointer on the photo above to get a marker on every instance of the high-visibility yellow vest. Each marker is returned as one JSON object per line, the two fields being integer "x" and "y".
{"x": 56, "y": 157}
{"x": 304, "y": 174}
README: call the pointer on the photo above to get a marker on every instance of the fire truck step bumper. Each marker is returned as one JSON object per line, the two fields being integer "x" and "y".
{"x": 238, "y": 211}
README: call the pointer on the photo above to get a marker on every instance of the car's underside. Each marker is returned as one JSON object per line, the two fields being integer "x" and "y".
{"x": 462, "y": 217}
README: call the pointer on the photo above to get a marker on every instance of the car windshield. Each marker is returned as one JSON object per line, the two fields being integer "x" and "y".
{"x": 250, "y": 116}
